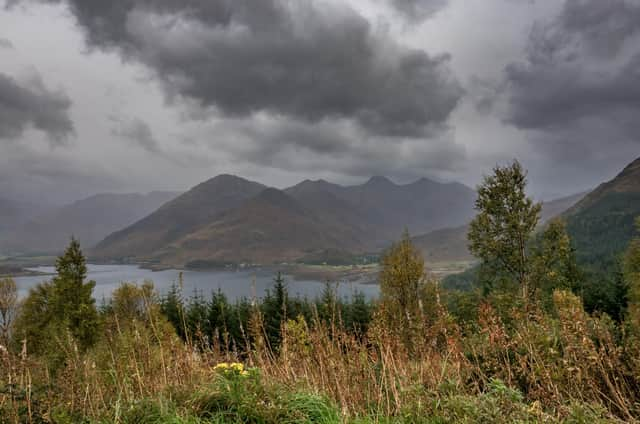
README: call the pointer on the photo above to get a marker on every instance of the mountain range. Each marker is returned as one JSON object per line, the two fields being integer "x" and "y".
{"x": 230, "y": 219}
{"x": 48, "y": 230}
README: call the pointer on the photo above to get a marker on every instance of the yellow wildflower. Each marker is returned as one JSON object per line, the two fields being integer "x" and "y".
{"x": 237, "y": 366}
{"x": 221, "y": 366}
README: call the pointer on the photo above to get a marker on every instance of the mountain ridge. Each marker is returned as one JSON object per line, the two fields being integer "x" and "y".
{"x": 358, "y": 219}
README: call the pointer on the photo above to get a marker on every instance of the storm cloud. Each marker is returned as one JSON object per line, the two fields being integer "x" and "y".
{"x": 579, "y": 86}
{"x": 31, "y": 105}
{"x": 341, "y": 147}
{"x": 307, "y": 60}
{"x": 281, "y": 90}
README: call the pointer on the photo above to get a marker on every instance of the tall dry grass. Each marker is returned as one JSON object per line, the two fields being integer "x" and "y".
{"x": 548, "y": 363}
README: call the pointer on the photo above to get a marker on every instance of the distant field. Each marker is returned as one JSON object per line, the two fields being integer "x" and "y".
{"x": 27, "y": 261}
{"x": 445, "y": 268}
{"x": 369, "y": 272}
{"x": 14, "y": 266}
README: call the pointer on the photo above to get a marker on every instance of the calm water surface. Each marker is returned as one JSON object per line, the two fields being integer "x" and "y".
{"x": 235, "y": 284}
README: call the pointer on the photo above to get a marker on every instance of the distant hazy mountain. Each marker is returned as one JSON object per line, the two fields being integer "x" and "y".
{"x": 602, "y": 223}
{"x": 450, "y": 244}
{"x": 11, "y": 214}
{"x": 229, "y": 219}
{"x": 89, "y": 220}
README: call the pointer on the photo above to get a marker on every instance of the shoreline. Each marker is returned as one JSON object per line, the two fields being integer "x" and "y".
{"x": 364, "y": 274}
{"x": 21, "y": 272}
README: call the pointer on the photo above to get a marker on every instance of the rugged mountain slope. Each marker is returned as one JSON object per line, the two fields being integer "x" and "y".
{"x": 602, "y": 223}
{"x": 89, "y": 220}
{"x": 384, "y": 209}
{"x": 450, "y": 244}
{"x": 333, "y": 211}
{"x": 271, "y": 227}
{"x": 177, "y": 218}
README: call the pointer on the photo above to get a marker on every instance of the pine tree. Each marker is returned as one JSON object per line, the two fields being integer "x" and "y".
{"x": 275, "y": 307}
{"x": 72, "y": 301}
{"x": 327, "y": 303}
{"x": 359, "y": 314}
{"x": 499, "y": 235}
{"x": 65, "y": 306}
{"x": 172, "y": 306}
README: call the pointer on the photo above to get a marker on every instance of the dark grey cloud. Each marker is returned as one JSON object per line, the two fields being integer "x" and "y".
{"x": 307, "y": 60}
{"x": 5, "y": 43}
{"x": 418, "y": 10}
{"x": 32, "y": 105}
{"x": 579, "y": 87}
{"x": 604, "y": 26}
{"x": 338, "y": 147}
{"x": 136, "y": 131}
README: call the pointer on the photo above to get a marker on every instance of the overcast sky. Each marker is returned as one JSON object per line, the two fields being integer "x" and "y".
{"x": 140, "y": 95}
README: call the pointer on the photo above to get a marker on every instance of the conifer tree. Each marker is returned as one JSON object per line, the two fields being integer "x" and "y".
{"x": 327, "y": 304}
{"x": 275, "y": 307}
{"x": 72, "y": 301}
{"x": 64, "y": 306}
{"x": 172, "y": 306}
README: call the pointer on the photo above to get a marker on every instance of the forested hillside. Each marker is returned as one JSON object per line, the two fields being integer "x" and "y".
{"x": 602, "y": 224}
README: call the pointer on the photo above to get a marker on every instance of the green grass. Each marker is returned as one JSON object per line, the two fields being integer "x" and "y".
{"x": 233, "y": 399}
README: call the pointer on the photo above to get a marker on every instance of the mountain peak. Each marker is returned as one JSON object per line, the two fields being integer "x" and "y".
{"x": 630, "y": 170}
{"x": 225, "y": 179}
{"x": 627, "y": 181}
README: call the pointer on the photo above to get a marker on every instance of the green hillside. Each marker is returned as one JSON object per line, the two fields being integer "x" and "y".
{"x": 602, "y": 230}
{"x": 601, "y": 224}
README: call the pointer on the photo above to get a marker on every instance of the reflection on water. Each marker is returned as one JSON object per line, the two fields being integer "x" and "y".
{"x": 235, "y": 284}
